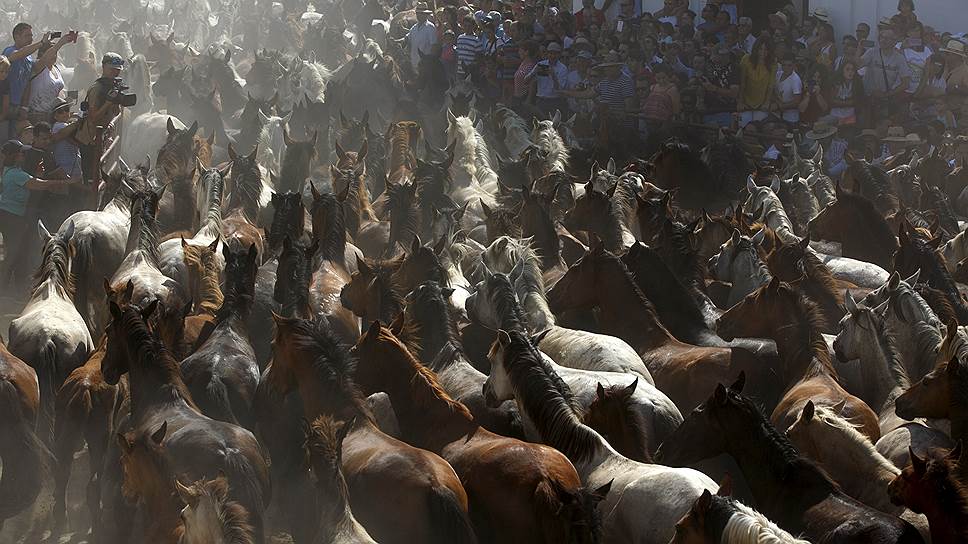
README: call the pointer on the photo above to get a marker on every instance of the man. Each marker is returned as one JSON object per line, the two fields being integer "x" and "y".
{"x": 615, "y": 93}
{"x": 552, "y": 77}
{"x": 588, "y": 15}
{"x": 99, "y": 113}
{"x": 21, "y": 66}
{"x": 863, "y": 33}
{"x": 887, "y": 75}
{"x": 469, "y": 45}
{"x": 789, "y": 90}
{"x": 721, "y": 85}
{"x": 746, "y": 37}
{"x": 956, "y": 75}
{"x": 422, "y": 36}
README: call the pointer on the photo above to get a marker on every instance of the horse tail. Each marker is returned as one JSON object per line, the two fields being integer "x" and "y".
{"x": 81, "y": 269}
{"x": 26, "y": 460}
{"x": 48, "y": 393}
{"x": 567, "y": 515}
{"x": 246, "y": 488}
{"x": 73, "y": 408}
{"x": 449, "y": 518}
{"x": 215, "y": 402}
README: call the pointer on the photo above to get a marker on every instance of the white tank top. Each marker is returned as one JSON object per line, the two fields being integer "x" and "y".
{"x": 45, "y": 89}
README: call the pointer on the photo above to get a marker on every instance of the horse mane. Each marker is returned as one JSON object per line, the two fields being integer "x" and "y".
{"x": 548, "y": 400}
{"x": 55, "y": 267}
{"x": 204, "y": 259}
{"x": 826, "y": 416}
{"x": 952, "y": 494}
{"x": 506, "y": 303}
{"x": 624, "y": 201}
{"x": 331, "y": 364}
{"x": 428, "y": 310}
{"x": 809, "y": 321}
{"x": 938, "y": 302}
{"x": 296, "y": 163}
{"x": 248, "y": 184}
{"x": 747, "y": 526}
{"x": 153, "y": 356}
{"x": 425, "y": 389}
{"x": 647, "y": 307}
{"x": 874, "y": 178}
{"x": 657, "y": 282}
{"x": 402, "y": 209}
{"x": 332, "y": 245}
{"x": 232, "y": 516}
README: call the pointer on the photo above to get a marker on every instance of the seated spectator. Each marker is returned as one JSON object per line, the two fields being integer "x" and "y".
{"x": 846, "y": 96}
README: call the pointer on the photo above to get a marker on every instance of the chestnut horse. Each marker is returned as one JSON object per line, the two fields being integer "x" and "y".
{"x": 516, "y": 491}
{"x": 430, "y": 504}
{"x": 942, "y": 393}
{"x": 194, "y": 444}
{"x": 210, "y": 516}
{"x": 773, "y": 467}
{"x": 931, "y": 486}
{"x": 600, "y": 279}
{"x": 777, "y": 311}
{"x": 862, "y": 231}
{"x": 27, "y": 462}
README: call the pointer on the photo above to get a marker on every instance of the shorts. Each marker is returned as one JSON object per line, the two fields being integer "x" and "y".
{"x": 748, "y": 116}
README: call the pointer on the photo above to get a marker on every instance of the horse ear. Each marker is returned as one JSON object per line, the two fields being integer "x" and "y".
{"x": 600, "y": 391}
{"x": 805, "y": 242}
{"x": 503, "y": 338}
{"x": 159, "y": 436}
{"x": 775, "y": 184}
{"x": 451, "y": 118}
{"x": 702, "y": 504}
{"x": 396, "y": 326}
{"x": 719, "y": 395}
{"x": 599, "y": 494}
{"x": 750, "y": 184}
{"x": 759, "y": 237}
{"x": 808, "y": 411}
{"x": 314, "y": 191}
{"x": 556, "y": 118}
{"x": 192, "y": 130}
{"x": 214, "y": 245}
{"x": 725, "y": 486}
{"x": 818, "y": 157}
{"x": 286, "y": 138}
{"x": 148, "y": 310}
{"x": 343, "y": 431}
{"x": 735, "y": 238}
{"x": 171, "y": 127}
{"x": 849, "y": 303}
{"x": 486, "y": 209}
{"x": 363, "y": 267}
{"x": 629, "y": 390}
{"x": 920, "y": 465}
{"x": 43, "y": 232}
{"x": 737, "y": 386}
{"x": 232, "y": 154}
{"x": 774, "y": 284}
{"x": 912, "y": 280}
{"x": 415, "y": 245}
{"x": 610, "y": 166}
{"x": 893, "y": 281}
{"x": 185, "y": 493}
{"x": 128, "y": 291}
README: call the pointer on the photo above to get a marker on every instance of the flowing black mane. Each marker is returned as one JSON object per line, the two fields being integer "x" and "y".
{"x": 332, "y": 241}
{"x": 433, "y": 318}
{"x": 55, "y": 266}
{"x": 506, "y": 303}
{"x": 867, "y": 215}
{"x": 676, "y": 307}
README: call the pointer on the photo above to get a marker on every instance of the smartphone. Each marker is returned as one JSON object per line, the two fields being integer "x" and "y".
{"x": 619, "y": 25}
{"x": 55, "y": 35}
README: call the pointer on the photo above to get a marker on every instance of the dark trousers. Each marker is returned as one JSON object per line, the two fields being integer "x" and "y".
{"x": 14, "y": 269}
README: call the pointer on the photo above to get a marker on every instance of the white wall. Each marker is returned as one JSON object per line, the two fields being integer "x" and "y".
{"x": 943, "y": 15}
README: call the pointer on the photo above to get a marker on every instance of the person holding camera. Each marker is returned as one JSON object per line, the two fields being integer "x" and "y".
{"x": 551, "y": 77}
{"x": 46, "y": 83}
{"x": 100, "y": 107}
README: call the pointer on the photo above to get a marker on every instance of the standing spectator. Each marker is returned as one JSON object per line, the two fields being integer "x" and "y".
{"x": 67, "y": 156}
{"x": 956, "y": 75}
{"x": 469, "y": 46}
{"x": 746, "y": 37}
{"x": 100, "y": 112}
{"x": 422, "y": 36}
{"x": 824, "y": 49}
{"x": 887, "y": 74}
{"x": 757, "y": 78}
{"x": 863, "y": 33}
{"x": 21, "y": 66}
{"x": 662, "y": 104}
{"x": 579, "y": 79}
{"x": 46, "y": 83}
{"x": 720, "y": 84}
{"x": 789, "y": 89}
{"x": 588, "y": 15}
{"x": 815, "y": 103}
{"x": 928, "y": 100}
{"x": 448, "y": 53}
{"x": 905, "y": 18}
{"x": 708, "y": 15}
{"x": 850, "y": 52}
{"x": 916, "y": 54}
{"x": 550, "y": 76}
{"x": 524, "y": 86}
{"x": 671, "y": 10}
{"x": 508, "y": 59}
{"x": 847, "y": 95}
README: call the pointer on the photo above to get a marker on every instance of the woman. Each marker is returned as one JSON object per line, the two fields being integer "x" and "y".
{"x": 15, "y": 188}
{"x": 816, "y": 92}
{"x": 757, "y": 79}
{"x": 905, "y": 18}
{"x": 523, "y": 87}
{"x": 46, "y": 83}
{"x": 928, "y": 100}
{"x": 662, "y": 104}
{"x": 846, "y": 95}
{"x": 824, "y": 48}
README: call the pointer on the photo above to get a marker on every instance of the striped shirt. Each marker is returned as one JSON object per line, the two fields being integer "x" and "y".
{"x": 469, "y": 47}
{"x": 614, "y": 92}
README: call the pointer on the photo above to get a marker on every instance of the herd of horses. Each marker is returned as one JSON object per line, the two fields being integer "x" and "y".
{"x": 465, "y": 326}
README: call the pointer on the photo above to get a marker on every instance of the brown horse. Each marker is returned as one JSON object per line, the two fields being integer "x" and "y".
{"x": 916, "y": 252}
{"x": 942, "y": 393}
{"x": 517, "y": 491}
{"x": 600, "y": 279}
{"x": 777, "y": 311}
{"x": 324, "y": 449}
{"x": 731, "y": 423}
{"x": 430, "y": 504}
{"x": 401, "y": 138}
{"x": 147, "y": 482}
{"x": 210, "y": 516}
{"x": 362, "y": 221}
{"x": 194, "y": 445}
{"x": 931, "y": 487}
{"x": 27, "y": 462}
{"x": 796, "y": 265}
{"x": 245, "y": 203}
{"x": 862, "y": 231}
{"x": 85, "y": 409}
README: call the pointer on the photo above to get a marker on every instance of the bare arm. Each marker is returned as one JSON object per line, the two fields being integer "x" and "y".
{"x": 51, "y": 54}
{"x": 25, "y": 52}
{"x": 37, "y": 184}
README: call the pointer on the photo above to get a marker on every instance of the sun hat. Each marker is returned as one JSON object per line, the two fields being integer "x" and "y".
{"x": 821, "y": 130}
{"x": 113, "y": 59}
{"x": 821, "y": 15}
{"x": 554, "y": 46}
{"x": 781, "y": 16}
{"x": 422, "y": 7}
{"x": 895, "y": 134}
{"x": 913, "y": 139}
{"x": 955, "y": 47}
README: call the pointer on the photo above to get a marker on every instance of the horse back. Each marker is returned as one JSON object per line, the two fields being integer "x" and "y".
{"x": 841, "y": 519}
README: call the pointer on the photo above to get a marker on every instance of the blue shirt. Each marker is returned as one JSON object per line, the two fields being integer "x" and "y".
{"x": 14, "y": 192}
{"x": 469, "y": 47}
{"x": 546, "y": 85}
{"x": 19, "y": 75}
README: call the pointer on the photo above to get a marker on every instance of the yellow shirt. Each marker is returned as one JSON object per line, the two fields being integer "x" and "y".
{"x": 756, "y": 85}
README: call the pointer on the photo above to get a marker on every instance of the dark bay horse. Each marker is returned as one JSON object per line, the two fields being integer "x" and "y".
{"x": 430, "y": 502}
{"x": 517, "y": 491}
{"x": 862, "y": 231}
{"x": 932, "y": 486}
{"x": 914, "y": 253}
{"x": 772, "y": 466}
{"x": 779, "y": 312}
{"x": 194, "y": 445}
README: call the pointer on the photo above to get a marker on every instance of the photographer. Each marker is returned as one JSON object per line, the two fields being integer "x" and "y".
{"x": 100, "y": 111}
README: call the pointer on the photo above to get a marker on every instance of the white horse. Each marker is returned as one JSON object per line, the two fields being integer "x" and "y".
{"x": 272, "y": 141}
{"x": 517, "y": 137}
{"x": 49, "y": 334}
{"x": 848, "y": 456}
{"x": 571, "y": 348}
{"x": 553, "y": 153}
{"x": 955, "y": 250}
{"x": 739, "y": 263}
{"x": 474, "y": 179}
{"x": 146, "y": 134}
{"x": 642, "y": 502}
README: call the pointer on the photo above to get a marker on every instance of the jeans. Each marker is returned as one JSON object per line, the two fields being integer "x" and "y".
{"x": 723, "y": 119}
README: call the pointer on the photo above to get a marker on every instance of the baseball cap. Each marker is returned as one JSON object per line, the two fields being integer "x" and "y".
{"x": 113, "y": 59}
{"x": 13, "y": 146}
{"x": 554, "y": 46}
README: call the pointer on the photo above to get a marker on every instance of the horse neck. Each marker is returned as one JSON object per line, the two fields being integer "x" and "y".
{"x": 772, "y": 466}
{"x": 209, "y": 290}
{"x": 365, "y": 209}
{"x": 752, "y": 275}
{"x": 183, "y": 196}
{"x": 320, "y": 400}
{"x": 294, "y": 171}
{"x": 335, "y": 515}
{"x": 626, "y": 314}
{"x": 614, "y": 230}
{"x": 884, "y": 374}
{"x": 958, "y": 411}
{"x": 947, "y": 511}
{"x": 801, "y": 346}
{"x": 142, "y": 236}
{"x": 534, "y": 302}
{"x": 157, "y": 384}
{"x": 400, "y": 155}
{"x": 434, "y": 333}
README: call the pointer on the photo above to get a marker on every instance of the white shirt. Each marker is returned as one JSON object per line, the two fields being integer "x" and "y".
{"x": 422, "y": 37}
{"x": 45, "y": 89}
{"x": 546, "y": 86}
{"x": 747, "y": 44}
{"x": 916, "y": 62}
{"x": 787, "y": 89}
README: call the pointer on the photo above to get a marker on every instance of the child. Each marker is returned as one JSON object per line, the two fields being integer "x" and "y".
{"x": 448, "y": 53}
{"x": 67, "y": 155}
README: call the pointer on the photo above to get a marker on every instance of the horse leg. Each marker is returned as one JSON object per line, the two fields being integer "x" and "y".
{"x": 71, "y": 419}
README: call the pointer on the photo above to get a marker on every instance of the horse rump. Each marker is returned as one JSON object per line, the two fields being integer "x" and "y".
{"x": 453, "y": 523}
{"x": 26, "y": 460}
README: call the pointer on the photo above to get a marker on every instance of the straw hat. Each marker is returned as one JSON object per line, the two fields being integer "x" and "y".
{"x": 868, "y": 133}
{"x": 955, "y": 47}
{"x": 821, "y": 15}
{"x": 895, "y": 134}
{"x": 912, "y": 139}
{"x": 422, "y": 7}
{"x": 821, "y": 130}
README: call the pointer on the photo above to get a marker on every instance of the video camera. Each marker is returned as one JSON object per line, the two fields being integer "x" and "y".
{"x": 118, "y": 95}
